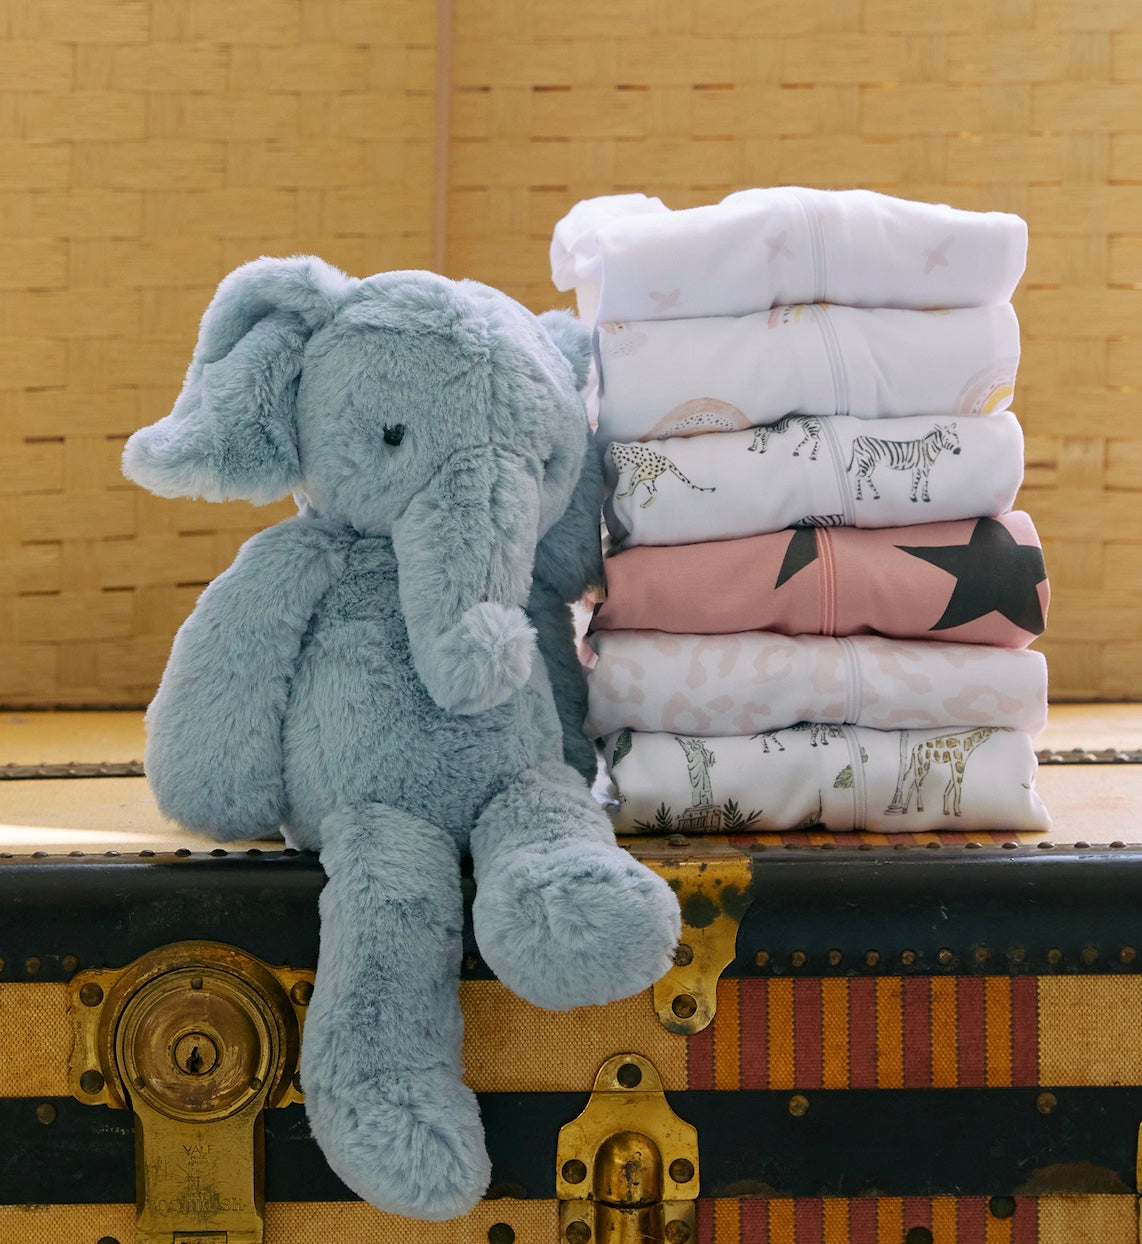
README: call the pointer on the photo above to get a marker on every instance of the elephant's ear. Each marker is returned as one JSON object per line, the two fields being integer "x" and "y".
{"x": 232, "y": 431}
{"x": 573, "y": 338}
{"x": 569, "y": 557}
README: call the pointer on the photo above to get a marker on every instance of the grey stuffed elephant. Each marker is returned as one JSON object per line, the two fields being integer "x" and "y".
{"x": 365, "y": 676}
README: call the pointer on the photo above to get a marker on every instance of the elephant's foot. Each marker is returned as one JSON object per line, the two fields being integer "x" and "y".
{"x": 410, "y": 1143}
{"x": 575, "y": 924}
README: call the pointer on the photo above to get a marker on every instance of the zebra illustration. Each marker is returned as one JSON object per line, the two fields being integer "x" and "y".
{"x": 767, "y": 737}
{"x": 646, "y": 465}
{"x": 809, "y": 426}
{"x": 819, "y": 731}
{"x": 916, "y": 456}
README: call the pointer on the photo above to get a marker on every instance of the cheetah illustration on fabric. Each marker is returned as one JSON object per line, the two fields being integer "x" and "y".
{"x": 646, "y": 466}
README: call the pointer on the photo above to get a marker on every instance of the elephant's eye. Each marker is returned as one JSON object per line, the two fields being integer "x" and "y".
{"x": 395, "y": 434}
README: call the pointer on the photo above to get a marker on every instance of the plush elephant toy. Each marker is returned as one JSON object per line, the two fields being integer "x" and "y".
{"x": 365, "y": 678}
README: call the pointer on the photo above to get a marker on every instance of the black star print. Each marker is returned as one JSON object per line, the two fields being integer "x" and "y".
{"x": 993, "y": 574}
{"x": 800, "y": 552}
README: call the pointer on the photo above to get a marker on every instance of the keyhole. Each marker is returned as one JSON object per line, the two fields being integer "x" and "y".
{"x": 196, "y": 1054}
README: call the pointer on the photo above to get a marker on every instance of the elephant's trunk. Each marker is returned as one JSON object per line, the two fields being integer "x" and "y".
{"x": 465, "y": 547}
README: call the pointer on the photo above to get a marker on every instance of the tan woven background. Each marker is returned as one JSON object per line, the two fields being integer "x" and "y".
{"x": 149, "y": 146}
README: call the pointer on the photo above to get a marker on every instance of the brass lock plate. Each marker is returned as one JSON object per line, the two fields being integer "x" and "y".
{"x": 627, "y": 1167}
{"x": 713, "y": 883}
{"x": 197, "y": 1038}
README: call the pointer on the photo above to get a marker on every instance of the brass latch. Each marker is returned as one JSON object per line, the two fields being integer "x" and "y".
{"x": 197, "y": 1038}
{"x": 627, "y": 1167}
{"x": 713, "y": 884}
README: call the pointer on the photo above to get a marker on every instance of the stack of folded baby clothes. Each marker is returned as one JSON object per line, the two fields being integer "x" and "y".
{"x": 818, "y": 598}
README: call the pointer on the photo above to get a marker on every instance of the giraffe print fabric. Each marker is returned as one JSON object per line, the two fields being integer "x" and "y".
{"x": 664, "y": 378}
{"x": 802, "y": 469}
{"x": 835, "y": 777}
{"x": 629, "y": 257}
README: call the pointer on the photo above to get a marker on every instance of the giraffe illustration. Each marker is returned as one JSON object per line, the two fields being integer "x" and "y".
{"x": 646, "y": 466}
{"x": 952, "y": 750}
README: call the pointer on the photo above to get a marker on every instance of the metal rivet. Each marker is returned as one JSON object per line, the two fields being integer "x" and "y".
{"x": 908, "y": 957}
{"x": 501, "y": 1233}
{"x": 798, "y": 958}
{"x": 798, "y": 1106}
{"x": 301, "y": 992}
{"x": 629, "y": 1075}
{"x": 835, "y": 958}
{"x": 677, "y": 1231}
{"x": 761, "y": 959}
{"x": 1001, "y": 1206}
{"x": 918, "y": 1235}
{"x": 139, "y": 1082}
{"x": 91, "y": 994}
{"x": 196, "y": 982}
{"x": 678, "y": 840}
{"x": 574, "y": 1171}
{"x": 471, "y": 962}
{"x": 1127, "y": 954}
{"x": 980, "y": 954}
{"x": 69, "y": 963}
{"x": 46, "y": 1113}
{"x": 684, "y": 1005}
{"x": 107, "y": 1239}
{"x": 1016, "y": 954}
{"x": 1089, "y": 955}
{"x": 255, "y": 1083}
{"x": 1082, "y": 846}
{"x": 944, "y": 957}
{"x": 577, "y": 1232}
{"x": 1117, "y": 846}
{"x": 32, "y": 965}
{"x": 91, "y": 1082}
{"x": 1045, "y": 1103}
{"x": 683, "y": 955}
{"x": 872, "y": 957}
{"x": 1054, "y": 955}
{"x": 681, "y": 1170}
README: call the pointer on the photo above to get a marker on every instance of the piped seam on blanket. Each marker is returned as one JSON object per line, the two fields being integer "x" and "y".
{"x": 828, "y": 606}
{"x": 859, "y": 788}
{"x": 852, "y": 681}
{"x": 842, "y": 400}
{"x": 836, "y": 457}
{"x": 816, "y": 242}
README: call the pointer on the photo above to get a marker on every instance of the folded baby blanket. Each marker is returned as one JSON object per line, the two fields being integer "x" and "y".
{"x": 680, "y": 377}
{"x": 838, "y": 777}
{"x": 722, "y": 685}
{"x": 809, "y": 471}
{"x": 978, "y": 581}
{"x": 631, "y": 258}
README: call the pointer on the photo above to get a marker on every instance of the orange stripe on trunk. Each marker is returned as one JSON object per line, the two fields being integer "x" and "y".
{"x": 945, "y": 1040}
{"x": 835, "y": 1034}
{"x": 782, "y": 1058}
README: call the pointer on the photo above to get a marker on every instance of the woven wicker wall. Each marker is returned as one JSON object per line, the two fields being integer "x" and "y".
{"x": 149, "y": 146}
{"x": 146, "y": 148}
{"x": 1031, "y": 106}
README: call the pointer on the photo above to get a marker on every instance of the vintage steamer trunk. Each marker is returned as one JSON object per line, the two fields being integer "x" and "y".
{"x": 864, "y": 1041}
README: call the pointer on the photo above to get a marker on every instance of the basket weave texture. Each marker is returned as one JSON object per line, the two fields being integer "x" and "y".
{"x": 148, "y": 147}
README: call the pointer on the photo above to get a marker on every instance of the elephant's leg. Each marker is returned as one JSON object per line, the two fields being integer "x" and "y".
{"x": 380, "y": 1061}
{"x": 563, "y": 915}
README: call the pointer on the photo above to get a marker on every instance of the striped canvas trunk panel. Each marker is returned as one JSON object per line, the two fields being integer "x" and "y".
{"x": 887, "y": 1032}
{"x": 915, "y": 1220}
